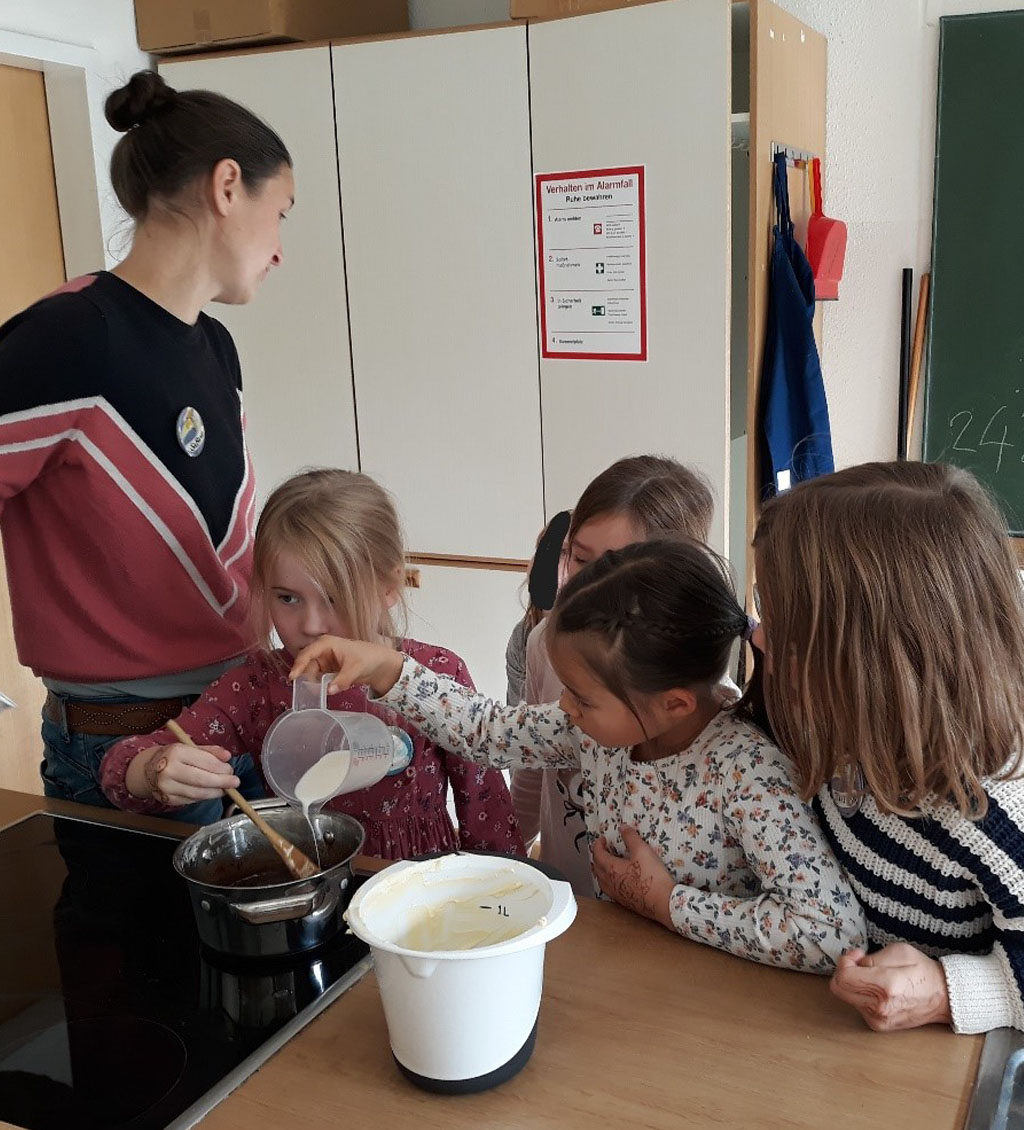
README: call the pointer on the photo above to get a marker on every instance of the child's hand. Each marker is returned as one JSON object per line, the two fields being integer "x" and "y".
{"x": 640, "y": 881}
{"x": 355, "y": 661}
{"x": 897, "y": 987}
{"x": 181, "y": 774}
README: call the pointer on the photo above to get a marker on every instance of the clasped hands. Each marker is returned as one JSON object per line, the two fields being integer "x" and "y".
{"x": 893, "y": 988}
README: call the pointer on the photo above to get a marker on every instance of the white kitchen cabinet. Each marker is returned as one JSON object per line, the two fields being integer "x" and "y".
{"x": 434, "y": 152}
{"x": 415, "y": 228}
{"x": 472, "y": 612}
{"x": 645, "y": 86}
{"x": 292, "y": 338}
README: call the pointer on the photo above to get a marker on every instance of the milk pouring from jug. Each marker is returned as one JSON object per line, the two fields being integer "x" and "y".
{"x": 311, "y": 754}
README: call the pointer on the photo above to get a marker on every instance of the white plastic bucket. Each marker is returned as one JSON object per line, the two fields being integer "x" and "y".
{"x": 463, "y": 1017}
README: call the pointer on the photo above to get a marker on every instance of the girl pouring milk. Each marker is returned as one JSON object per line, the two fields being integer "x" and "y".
{"x": 328, "y": 557}
{"x": 691, "y": 810}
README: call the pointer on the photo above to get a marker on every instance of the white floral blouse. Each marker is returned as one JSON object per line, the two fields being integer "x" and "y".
{"x": 754, "y": 874}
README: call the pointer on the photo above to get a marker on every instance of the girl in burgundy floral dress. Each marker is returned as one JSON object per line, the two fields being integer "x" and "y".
{"x": 328, "y": 559}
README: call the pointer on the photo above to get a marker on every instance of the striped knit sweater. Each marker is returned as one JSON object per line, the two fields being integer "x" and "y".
{"x": 951, "y": 887}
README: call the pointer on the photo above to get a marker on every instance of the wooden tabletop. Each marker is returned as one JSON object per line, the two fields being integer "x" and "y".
{"x": 638, "y": 1028}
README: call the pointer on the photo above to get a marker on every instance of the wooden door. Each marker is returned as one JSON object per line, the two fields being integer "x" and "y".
{"x": 647, "y": 85}
{"x": 788, "y": 67}
{"x": 292, "y": 339}
{"x": 434, "y": 152}
{"x": 30, "y": 237}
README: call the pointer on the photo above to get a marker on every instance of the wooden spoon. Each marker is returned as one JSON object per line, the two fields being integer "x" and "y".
{"x": 298, "y": 864}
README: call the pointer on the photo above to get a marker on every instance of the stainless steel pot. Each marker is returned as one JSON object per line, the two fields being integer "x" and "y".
{"x": 245, "y": 902}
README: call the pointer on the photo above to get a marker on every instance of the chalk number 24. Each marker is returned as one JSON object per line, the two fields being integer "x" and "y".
{"x": 991, "y": 427}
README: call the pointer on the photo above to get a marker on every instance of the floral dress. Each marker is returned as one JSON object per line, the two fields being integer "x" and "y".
{"x": 403, "y": 816}
{"x": 754, "y": 874}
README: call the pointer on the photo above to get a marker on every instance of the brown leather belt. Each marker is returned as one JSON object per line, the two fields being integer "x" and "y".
{"x": 113, "y": 719}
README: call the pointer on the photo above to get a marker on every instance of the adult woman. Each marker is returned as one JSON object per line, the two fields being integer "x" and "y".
{"x": 126, "y": 494}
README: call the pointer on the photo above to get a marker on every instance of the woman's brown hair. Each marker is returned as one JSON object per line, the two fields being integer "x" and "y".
{"x": 173, "y": 137}
{"x": 662, "y": 497}
{"x": 342, "y": 526}
{"x": 893, "y": 613}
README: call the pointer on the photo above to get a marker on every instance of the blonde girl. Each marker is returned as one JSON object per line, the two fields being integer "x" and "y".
{"x": 894, "y": 628}
{"x": 635, "y": 499}
{"x": 328, "y": 557}
{"x": 690, "y": 809}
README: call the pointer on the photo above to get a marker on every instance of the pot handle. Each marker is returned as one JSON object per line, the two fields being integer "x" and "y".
{"x": 292, "y": 906}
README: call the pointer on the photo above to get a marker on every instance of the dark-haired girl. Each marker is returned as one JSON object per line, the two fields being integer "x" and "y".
{"x": 691, "y": 810}
{"x": 126, "y": 493}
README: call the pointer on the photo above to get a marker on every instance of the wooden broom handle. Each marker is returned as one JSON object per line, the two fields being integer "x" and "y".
{"x": 915, "y": 361}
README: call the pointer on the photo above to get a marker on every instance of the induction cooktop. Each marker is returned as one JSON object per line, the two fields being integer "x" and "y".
{"x": 112, "y": 1015}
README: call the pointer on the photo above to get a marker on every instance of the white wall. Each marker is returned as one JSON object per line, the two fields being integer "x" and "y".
{"x": 97, "y": 39}
{"x": 882, "y": 76}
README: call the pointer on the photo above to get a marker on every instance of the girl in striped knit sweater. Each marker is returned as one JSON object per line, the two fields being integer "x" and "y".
{"x": 893, "y": 624}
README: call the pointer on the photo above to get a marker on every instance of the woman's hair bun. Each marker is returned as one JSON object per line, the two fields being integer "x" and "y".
{"x": 145, "y": 95}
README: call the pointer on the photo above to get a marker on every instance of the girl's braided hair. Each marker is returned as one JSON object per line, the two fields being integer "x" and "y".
{"x": 652, "y": 617}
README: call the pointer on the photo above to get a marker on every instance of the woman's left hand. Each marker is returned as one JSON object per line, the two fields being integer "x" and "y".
{"x": 639, "y": 880}
{"x": 896, "y": 987}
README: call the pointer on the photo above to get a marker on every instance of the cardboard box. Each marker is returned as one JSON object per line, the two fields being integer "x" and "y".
{"x": 167, "y": 27}
{"x": 546, "y": 9}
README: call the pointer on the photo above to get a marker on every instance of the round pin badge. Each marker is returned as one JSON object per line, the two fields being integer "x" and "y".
{"x": 191, "y": 431}
{"x": 848, "y": 790}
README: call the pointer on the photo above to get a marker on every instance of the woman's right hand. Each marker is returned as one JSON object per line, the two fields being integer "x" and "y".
{"x": 355, "y": 662}
{"x": 178, "y": 774}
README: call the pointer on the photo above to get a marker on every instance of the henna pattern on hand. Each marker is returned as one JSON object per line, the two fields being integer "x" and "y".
{"x": 632, "y": 889}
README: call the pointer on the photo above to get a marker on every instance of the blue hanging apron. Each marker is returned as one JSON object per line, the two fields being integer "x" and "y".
{"x": 793, "y": 410}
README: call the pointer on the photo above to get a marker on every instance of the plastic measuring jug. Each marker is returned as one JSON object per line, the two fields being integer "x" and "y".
{"x": 311, "y": 754}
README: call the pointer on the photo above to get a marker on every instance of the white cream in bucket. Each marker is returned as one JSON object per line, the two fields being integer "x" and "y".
{"x": 458, "y": 944}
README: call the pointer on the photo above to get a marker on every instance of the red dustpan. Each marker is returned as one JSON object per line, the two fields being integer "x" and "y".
{"x": 826, "y": 245}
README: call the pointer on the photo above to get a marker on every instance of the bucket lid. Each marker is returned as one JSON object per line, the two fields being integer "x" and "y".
{"x": 459, "y": 907}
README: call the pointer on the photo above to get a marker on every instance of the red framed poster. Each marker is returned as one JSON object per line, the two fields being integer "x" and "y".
{"x": 592, "y": 264}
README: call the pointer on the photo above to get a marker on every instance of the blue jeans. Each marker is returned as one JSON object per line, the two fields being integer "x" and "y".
{"x": 71, "y": 771}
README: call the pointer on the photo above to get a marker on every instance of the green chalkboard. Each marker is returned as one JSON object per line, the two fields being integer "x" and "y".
{"x": 974, "y": 388}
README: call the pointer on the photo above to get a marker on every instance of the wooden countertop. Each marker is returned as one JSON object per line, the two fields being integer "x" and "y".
{"x": 637, "y": 1028}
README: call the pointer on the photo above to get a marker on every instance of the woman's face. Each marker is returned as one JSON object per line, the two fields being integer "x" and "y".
{"x": 597, "y": 536}
{"x": 250, "y": 234}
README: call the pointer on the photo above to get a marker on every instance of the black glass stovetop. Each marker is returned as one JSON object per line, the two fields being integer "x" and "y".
{"x": 112, "y": 1017}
